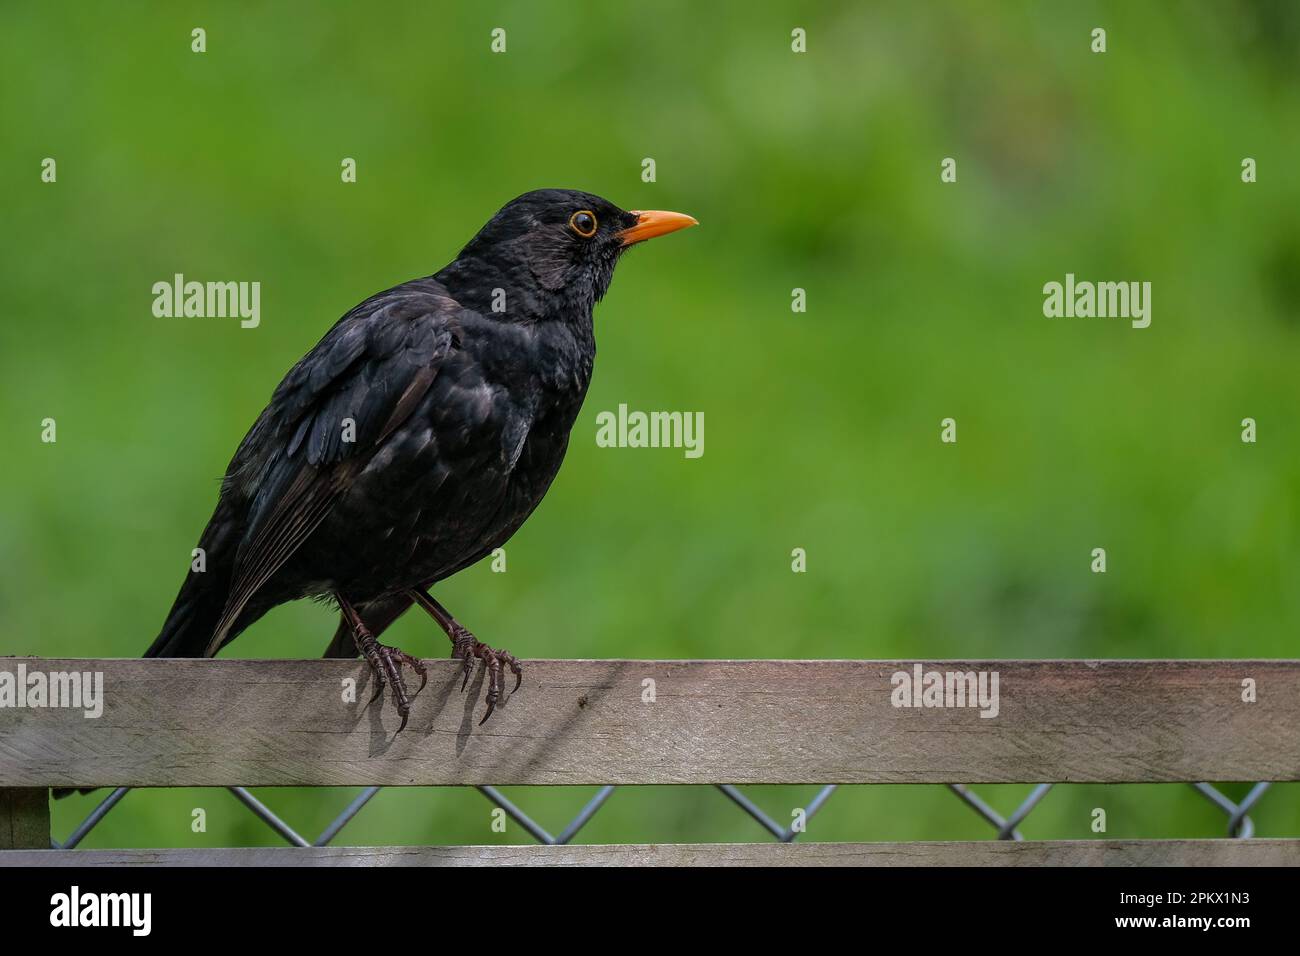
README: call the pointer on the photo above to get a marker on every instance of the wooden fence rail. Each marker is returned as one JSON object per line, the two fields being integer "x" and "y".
{"x": 308, "y": 723}
{"x": 952, "y": 853}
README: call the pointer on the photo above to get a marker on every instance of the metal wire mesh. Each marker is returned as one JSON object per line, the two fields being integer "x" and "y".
{"x": 1239, "y": 824}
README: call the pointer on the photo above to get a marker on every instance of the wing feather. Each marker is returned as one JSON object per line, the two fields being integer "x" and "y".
{"x": 373, "y": 367}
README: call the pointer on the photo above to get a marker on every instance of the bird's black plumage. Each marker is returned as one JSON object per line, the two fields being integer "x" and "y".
{"x": 417, "y": 435}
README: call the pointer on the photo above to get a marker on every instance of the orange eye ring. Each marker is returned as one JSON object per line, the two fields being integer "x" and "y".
{"x": 583, "y": 222}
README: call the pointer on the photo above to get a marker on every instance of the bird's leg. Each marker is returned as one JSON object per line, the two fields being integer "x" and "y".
{"x": 385, "y": 662}
{"x": 467, "y": 647}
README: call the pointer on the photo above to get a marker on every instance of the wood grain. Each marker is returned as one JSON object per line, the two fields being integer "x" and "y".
{"x": 24, "y": 818}
{"x": 983, "y": 853}
{"x": 270, "y": 723}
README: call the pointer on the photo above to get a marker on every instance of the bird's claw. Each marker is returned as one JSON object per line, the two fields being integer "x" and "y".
{"x": 467, "y": 647}
{"x": 386, "y": 664}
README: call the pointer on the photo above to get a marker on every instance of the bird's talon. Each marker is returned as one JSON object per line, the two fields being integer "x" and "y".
{"x": 386, "y": 665}
{"x": 491, "y": 700}
{"x": 467, "y": 647}
{"x": 515, "y": 668}
{"x": 415, "y": 664}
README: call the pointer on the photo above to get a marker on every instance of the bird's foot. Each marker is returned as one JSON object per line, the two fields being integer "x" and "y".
{"x": 467, "y": 647}
{"x": 386, "y": 664}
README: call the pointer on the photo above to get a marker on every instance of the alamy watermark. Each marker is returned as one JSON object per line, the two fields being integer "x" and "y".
{"x": 130, "y": 910}
{"x": 208, "y": 300}
{"x": 921, "y": 688}
{"x": 633, "y": 429}
{"x": 73, "y": 690}
{"x": 1102, "y": 300}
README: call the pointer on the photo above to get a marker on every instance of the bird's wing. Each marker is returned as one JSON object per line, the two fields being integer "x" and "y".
{"x": 372, "y": 368}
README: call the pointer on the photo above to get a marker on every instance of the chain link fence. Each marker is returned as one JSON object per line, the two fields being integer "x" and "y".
{"x": 1239, "y": 823}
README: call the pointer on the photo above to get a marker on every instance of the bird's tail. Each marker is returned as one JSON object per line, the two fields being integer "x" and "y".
{"x": 193, "y": 617}
{"x": 202, "y": 598}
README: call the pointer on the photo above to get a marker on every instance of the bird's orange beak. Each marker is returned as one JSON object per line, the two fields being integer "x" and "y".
{"x": 655, "y": 222}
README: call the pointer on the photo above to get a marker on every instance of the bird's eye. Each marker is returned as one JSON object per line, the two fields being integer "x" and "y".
{"x": 583, "y": 222}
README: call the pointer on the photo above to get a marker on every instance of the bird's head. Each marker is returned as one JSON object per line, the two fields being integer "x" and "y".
{"x": 557, "y": 248}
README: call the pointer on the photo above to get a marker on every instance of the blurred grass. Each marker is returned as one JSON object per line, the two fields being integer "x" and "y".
{"x": 818, "y": 171}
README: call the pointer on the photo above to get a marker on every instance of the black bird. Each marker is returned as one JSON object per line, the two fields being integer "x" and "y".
{"x": 415, "y": 438}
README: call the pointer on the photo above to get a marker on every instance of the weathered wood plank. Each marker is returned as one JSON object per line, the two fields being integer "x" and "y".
{"x": 269, "y": 723}
{"x": 982, "y": 853}
{"x": 24, "y": 818}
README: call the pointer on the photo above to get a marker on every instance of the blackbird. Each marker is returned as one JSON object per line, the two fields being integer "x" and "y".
{"x": 413, "y": 440}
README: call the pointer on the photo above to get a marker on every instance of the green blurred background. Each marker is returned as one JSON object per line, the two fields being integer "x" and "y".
{"x": 818, "y": 171}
